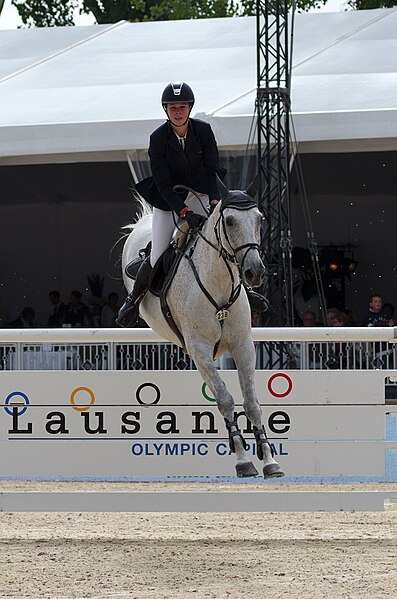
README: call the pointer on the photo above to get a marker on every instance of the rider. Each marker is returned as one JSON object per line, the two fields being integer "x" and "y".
{"x": 182, "y": 151}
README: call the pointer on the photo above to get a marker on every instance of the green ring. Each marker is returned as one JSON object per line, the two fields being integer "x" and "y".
{"x": 207, "y": 397}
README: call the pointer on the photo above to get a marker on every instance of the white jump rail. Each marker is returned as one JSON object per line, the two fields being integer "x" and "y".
{"x": 135, "y": 335}
{"x": 265, "y": 501}
{"x": 273, "y": 501}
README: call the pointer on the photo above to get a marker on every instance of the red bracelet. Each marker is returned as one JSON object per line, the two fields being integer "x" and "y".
{"x": 183, "y": 212}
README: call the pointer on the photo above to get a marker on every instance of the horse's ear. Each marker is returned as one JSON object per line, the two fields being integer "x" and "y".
{"x": 252, "y": 188}
{"x": 223, "y": 190}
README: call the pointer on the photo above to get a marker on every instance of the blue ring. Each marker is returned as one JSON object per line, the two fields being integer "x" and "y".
{"x": 7, "y": 401}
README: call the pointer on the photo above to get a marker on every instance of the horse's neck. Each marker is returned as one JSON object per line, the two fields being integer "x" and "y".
{"x": 211, "y": 267}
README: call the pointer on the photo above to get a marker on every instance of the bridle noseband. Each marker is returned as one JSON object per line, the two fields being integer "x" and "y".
{"x": 232, "y": 257}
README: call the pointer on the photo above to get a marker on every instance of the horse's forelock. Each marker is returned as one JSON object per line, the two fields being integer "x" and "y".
{"x": 239, "y": 200}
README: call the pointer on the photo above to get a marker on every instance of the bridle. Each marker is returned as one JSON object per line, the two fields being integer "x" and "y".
{"x": 232, "y": 256}
{"x": 229, "y": 257}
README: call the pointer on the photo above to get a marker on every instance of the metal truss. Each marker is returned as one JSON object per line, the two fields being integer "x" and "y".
{"x": 273, "y": 155}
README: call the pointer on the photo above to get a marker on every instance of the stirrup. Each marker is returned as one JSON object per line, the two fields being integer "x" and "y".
{"x": 127, "y": 309}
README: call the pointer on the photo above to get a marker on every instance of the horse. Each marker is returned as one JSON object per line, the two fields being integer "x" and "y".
{"x": 210, "y": 308}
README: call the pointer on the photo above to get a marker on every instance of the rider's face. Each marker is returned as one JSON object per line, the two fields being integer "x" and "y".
{"x": 178, "y": 113}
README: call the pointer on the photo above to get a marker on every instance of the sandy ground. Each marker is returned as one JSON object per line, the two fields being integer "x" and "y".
{"x": 142, "y": 556}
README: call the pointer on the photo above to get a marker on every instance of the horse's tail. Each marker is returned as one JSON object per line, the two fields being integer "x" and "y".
{"x": 143, "y": 209}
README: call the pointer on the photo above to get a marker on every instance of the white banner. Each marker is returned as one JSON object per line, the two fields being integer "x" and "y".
{"x": 125, "y": 424}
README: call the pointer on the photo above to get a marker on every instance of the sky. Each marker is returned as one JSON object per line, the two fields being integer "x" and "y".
{"x": 9, "y": 18}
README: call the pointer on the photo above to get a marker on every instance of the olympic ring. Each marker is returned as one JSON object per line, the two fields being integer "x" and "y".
{"x": 7, "y": 402}
{"x": 283, "y": 376}
{"x": 152, "y": 403}
{"x": 207, "y": 397}
{"x": 73, "y": 394}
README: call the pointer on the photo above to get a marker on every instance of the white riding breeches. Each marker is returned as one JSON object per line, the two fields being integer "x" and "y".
{"x": 163, "y": 224}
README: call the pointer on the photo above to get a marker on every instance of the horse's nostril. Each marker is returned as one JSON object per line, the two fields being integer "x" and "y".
{"x": 249, "y": 274}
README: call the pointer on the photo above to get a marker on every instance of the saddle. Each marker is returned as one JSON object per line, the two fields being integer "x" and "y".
{"x": 161, "y": 278}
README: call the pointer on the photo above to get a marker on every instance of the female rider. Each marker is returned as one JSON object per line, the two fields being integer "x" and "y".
{"x": 182, "y": 151}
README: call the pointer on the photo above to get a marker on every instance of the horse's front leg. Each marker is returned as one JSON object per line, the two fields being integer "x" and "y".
{"x": 244, "y": 356}
{"x": 225, "y": 402}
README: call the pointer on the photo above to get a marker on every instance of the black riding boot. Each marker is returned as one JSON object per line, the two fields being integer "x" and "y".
{"x": 129, "y": 311}
{"x": 257, "y": 301}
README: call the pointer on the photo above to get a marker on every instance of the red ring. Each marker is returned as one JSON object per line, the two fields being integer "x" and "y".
{"x": 284, "y": 376}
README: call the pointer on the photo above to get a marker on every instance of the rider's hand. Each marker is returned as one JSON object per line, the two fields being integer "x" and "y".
{"x": 213, "y": 205}
{"x": 194, "y": 220}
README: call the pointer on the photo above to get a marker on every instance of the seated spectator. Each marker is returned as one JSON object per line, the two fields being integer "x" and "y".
{"x": 309, "y": 319}
{"x": 110, "y": 311}
{"x": 76, "y": 314}
{"x": 377, "y": 315}
{"x": 25, "y": 320}
{"x": 57, "y": 311}
{"x": 331, "y": 313}
{"x": 340, "y": 319}
{"x": 390, "y": 309}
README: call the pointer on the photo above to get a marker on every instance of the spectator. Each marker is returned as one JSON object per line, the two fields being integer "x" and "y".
{"x": 331, "y": 313}
{"x": 58, "y": 309}
{"x": 340, "y": 319}
{"x": 377, "y": 315}
{"x": 110, "y": 311}
{"x": 76, "y": 314}
{"x": 390, "y": 309}
{"x": 25, "y": 320}
{"x": 309, "y": 319}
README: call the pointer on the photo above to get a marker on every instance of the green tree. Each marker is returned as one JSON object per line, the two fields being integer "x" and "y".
{"x": 45, "y": 13}
{"x": 248, "y": 7}
{"x": 368, "y": 4}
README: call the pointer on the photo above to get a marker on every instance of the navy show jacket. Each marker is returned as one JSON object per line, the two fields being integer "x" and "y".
{"x": 195, "y": 166}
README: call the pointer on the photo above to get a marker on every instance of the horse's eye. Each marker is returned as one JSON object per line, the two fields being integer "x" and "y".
{"x": 229, "y": 221}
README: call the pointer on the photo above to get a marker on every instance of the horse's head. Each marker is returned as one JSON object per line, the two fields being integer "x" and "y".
{"x": 238, "y": 231}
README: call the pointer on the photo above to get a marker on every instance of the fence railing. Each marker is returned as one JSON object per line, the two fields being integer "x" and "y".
{"x": 141, "y": 349}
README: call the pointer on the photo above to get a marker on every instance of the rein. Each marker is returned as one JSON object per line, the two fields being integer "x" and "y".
{"x": 227, "y": 257}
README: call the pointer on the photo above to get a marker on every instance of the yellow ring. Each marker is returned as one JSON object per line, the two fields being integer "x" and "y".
{"x": 91, "y": 394}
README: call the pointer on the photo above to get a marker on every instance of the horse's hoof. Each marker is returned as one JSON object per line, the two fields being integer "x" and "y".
{"x": 245, "y": 470}
{"x": 272, "y": 471}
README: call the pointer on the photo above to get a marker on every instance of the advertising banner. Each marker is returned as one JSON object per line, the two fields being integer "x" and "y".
{"x": 110, "y": 424}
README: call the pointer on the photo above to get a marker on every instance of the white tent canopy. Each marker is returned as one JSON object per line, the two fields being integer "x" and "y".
{"x": 84, "y": 93}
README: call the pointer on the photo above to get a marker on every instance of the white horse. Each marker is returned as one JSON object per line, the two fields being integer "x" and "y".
{"x": 209, "y": 305}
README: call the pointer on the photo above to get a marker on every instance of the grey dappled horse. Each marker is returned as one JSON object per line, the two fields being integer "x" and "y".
{"x": 211, "y": 310}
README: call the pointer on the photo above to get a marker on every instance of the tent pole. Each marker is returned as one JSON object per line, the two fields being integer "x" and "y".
{"x": 132, "y": 168}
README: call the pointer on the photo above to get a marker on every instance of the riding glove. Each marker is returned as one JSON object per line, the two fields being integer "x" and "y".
{"x": 194, "y": 220}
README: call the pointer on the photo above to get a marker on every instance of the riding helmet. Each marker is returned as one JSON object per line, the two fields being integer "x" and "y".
{"x": 177, "y": 93}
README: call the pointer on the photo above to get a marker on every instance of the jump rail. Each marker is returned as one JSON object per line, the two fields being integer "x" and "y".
{"x": 274, "y": 501}
{"x": 279, "y": 501}
{"x": 86, "y": 335}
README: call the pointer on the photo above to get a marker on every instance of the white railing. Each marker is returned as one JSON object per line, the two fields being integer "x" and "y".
{"x": 347, "y": 348}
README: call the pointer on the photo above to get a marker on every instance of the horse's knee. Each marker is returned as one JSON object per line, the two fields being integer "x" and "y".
{"x": 226, "y": 403}
{"x": 253, "y": 411}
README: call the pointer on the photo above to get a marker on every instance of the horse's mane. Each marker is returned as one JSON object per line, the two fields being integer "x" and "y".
{"x": 144, "y": 210}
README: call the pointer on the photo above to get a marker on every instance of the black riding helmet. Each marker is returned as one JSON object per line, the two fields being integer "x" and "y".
{"x": 177, "y": 93}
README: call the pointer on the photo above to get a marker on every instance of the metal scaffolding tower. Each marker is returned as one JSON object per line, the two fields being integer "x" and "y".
{"x": 273, "y": 155}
